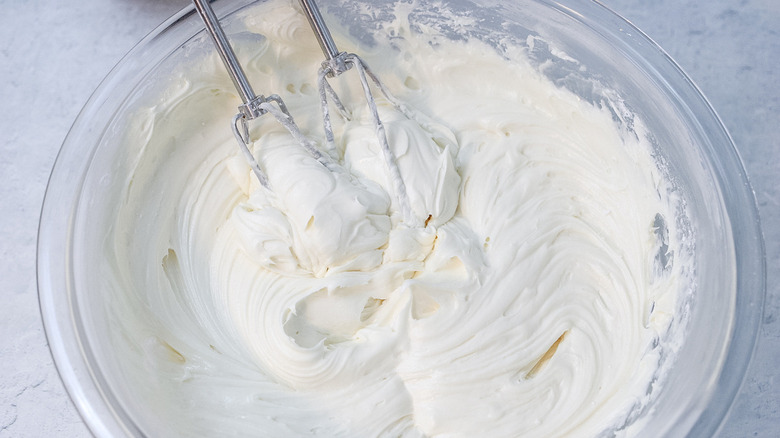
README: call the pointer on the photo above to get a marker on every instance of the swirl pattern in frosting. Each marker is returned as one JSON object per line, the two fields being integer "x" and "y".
{"x": 529, "y": 303}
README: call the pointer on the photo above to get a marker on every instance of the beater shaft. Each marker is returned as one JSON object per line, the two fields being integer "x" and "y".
{"x": 250, "y": 108}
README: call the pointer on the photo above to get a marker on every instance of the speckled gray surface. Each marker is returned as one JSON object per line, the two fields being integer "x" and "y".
{"x": 54, "y": 53}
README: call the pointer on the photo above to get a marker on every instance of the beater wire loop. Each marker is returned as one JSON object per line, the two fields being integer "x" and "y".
{"x": 326, "y": 92}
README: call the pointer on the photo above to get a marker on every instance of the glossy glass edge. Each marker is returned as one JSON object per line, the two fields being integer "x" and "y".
{"x": 53, "y": 254}
{"x": 748, "y": 242}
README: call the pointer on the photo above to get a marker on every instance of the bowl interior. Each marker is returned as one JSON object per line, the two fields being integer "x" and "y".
{"x": 580, "y": 45}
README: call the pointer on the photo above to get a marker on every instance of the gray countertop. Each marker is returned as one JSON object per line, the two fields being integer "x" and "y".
{"x": 54, "y": 54}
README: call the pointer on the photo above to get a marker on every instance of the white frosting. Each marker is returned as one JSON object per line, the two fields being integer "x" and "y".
{"x": 530, "y": 303}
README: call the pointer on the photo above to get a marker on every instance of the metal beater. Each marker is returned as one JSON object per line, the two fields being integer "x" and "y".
{"x": 336, "y": 63}
{"x": 254, "y": 105}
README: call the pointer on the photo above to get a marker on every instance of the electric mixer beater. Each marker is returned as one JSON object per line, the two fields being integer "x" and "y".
{"x": 335, "y": 64}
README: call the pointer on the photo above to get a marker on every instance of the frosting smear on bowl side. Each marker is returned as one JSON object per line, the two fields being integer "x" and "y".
{"x": 532, "y": 297}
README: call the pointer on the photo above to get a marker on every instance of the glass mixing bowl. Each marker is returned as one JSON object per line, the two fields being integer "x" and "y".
{"x": 579, "y": 43}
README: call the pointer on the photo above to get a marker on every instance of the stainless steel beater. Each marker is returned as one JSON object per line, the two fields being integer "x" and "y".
{"x": 253, "y": 105}
{"x": 335, "y": 64}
